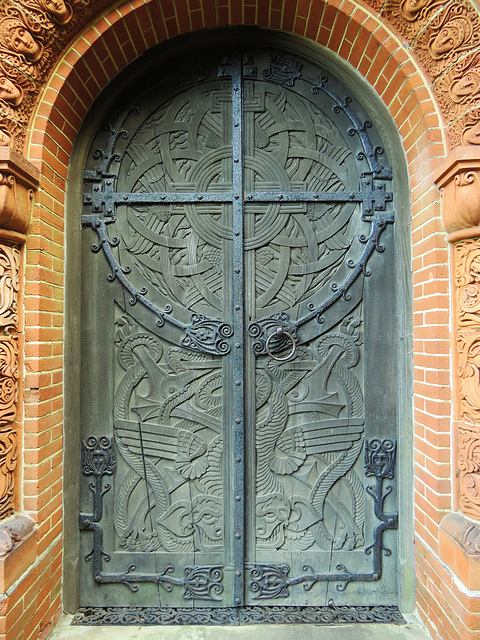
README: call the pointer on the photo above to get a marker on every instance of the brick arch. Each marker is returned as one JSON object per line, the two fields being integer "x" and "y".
{"x": 357, "y": 34}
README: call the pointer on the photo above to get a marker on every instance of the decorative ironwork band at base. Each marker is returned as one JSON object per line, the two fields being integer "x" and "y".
{"x": 232, "y": 616}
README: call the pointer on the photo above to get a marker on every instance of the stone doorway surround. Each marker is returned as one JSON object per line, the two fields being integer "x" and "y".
{"x": 423, "y": 59}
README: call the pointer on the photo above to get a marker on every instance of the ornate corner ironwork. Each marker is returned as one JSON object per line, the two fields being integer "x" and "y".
{"x": 198, "y": 582}
{"x": 271, "y": 581}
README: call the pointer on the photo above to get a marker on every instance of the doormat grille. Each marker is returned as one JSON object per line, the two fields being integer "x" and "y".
{"x": 329, "y": 615}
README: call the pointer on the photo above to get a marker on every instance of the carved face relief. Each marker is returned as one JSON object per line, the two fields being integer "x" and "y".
{"x": 450, "y": 37}
{"x": 411, "y": 8}
{"x": 58, "y": 9}
{"x": 23, "y": 42}
{"x": 5, "y": 138}
{"x": 10, "y": 92}
{"x": 16, "y": 38}
{"x": 467, "y": 87}
{"x": 471, "y": 135}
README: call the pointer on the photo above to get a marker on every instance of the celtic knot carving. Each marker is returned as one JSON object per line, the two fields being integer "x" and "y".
{"x": 283, "y": 69}
{"x": 269, "y": 581}
{"x": 207, "y": 335}
{"x": 203, "y": 583}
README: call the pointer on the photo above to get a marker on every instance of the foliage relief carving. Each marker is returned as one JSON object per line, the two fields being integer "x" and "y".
{"x": 9, "y": 266}
{"x": 467, "y": 273}
{"x": 467, "y": 280}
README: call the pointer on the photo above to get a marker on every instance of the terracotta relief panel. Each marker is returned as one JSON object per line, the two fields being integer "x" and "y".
{"x": 9, "y": 286}
{"x": 8, "y": 463}
{"x": 469, "y": 468}
{"x": 467, "y": 320}
{"x": 459, "y": 88}
{"x": 467, "y": 280}
{"x": 447, "y": 37}
{"x": 8, "y": 434}
{"x": 33, "y": 34}
{"x": 468, "y": 454}
{"x": 9, "y": 374}
{"x": 409, "y": 16}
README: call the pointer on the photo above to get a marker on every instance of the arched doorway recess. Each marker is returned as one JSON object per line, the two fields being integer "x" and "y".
{"x": 248, "y": 342}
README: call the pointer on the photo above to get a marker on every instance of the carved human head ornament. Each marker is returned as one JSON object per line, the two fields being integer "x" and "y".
{"x": 5, "y": 138}
{"x": 467, "y": 87}
{"x": 411, "y": 9}
{"x": 10, "y": 92}
{"x": 49, "y": 13}
{"x": 454, "y": 35}
{"x": 60, "y": 11}
{"x": 16, "y": 38}
{"x": 471, "y": 132}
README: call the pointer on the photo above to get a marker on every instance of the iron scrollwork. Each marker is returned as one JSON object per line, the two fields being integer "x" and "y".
{"x": 198, "y": 582}
{"x": 233, "y": 616}
{"x": 266, "y": 330}
{"x": 271, "y": 581}
{"x": 207, "y": 335}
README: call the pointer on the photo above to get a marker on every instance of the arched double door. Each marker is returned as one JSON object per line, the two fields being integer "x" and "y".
{"x": 238, "y": 362}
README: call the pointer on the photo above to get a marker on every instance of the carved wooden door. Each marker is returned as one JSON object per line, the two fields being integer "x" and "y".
{"x": 238, "y": 374}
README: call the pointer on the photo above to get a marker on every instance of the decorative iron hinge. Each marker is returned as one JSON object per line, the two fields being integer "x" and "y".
{"x": 271, "y": 581}
{"x": 198, "y": 582}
